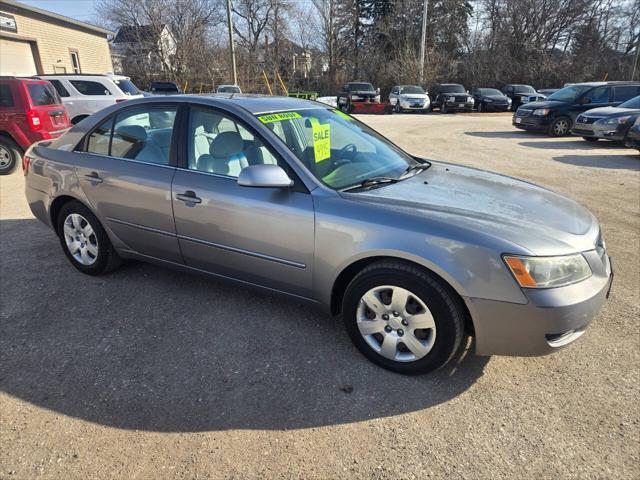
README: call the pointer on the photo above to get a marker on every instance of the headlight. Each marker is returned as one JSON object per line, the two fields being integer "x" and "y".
{"x": 509, "y": 100}
{"x": 546, "y": 272}
{"x": 541, "y": 112}
{"x": 470, "y": 100}
{"x": 451, "y": 99}
{"x": 615, "y": 121}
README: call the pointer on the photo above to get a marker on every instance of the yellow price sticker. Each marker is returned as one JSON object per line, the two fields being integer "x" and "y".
{"x": 278, "y": 117}
{"x": 321, "y": 140}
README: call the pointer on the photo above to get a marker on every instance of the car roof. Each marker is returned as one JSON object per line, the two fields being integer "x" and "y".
{"x": 254, "y": 104}
{"x": 599, "y": 84}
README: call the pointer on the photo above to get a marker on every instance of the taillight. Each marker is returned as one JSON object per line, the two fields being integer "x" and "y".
{"x": 33, "y": 117}
{"x": 26, "y": 159}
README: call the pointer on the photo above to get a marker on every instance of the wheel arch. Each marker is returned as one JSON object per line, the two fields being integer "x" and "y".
{"x": 57, "y": 204}
{"x": 350, "y": 271}
{"x": 8, "y": 136}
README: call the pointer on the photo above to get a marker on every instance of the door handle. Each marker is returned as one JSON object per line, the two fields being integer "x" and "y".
{"x": 189, "y": 197}
{"x": 93, "y": 177}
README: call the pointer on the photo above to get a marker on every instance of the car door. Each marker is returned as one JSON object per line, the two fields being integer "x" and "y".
{"x": 622, "y": 93}
{"x": 264, "y": 236}
{"x": 594, "y": 98}
{"x": 92, "y": 95}
{"x": 67, "y": 100}
{"x": 125, "y": 168}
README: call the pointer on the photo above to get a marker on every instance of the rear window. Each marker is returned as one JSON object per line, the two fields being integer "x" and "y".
{"x": 625, "y": 92}
{"x": 6, "y": 97}
{"x": 57, "y": 84}
{"x": 127, "y": 87}
{"x": 86, "y": 87}
{"x": 42, "y": 94}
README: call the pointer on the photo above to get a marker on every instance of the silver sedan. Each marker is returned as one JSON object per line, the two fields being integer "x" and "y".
{"x": 299, "y": 199}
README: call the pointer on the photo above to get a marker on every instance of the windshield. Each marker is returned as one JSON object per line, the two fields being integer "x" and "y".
{"x": 337, "y": 149}
{"x": 569, "y": 94}
{"x": 633, "y": 103}
{"x": 452, "y": 88}
{"x": 127, "y": 87}
{"x": 412, "y": 89}
{"x": 229, "y": 89}
{"x": 489, "y": 91}
{"x": 360, "y": 87}
{"x": 523, "y": 89}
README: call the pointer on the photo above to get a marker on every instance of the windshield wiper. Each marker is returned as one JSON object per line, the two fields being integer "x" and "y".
{"x": 372, "y": 182}
{"x": 416, "y": 167}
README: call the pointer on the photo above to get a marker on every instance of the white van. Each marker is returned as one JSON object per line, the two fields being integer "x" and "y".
{"x": 84, "y": 94}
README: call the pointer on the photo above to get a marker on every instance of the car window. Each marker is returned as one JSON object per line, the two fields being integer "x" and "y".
{"x": 57, "y": 84}
{"x": 6, "y": 97}
{"x": 598, "y": 95}
{"x": 90, "y": 88}
{"x": 144, "y": 134}
{"x": 42, "y": 94}
{"x": 632, "y": 103}
{"x": 625, "y": 92}
{"x": 98, "y": 141}
{"x": 126, "y": 86}
{"x": 219, "y": 144}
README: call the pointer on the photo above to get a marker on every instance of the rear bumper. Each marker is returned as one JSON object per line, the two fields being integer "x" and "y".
{"x": 552, "y": 319}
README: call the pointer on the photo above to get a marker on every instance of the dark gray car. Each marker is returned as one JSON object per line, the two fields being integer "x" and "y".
{"x": 294, "y": 197}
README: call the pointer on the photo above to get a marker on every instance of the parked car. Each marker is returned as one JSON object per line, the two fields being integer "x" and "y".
{"x": 409, "y": 97}
{"x": 30, "y": 110}
{"x": 610, "y": 123}
{"x": 361, "y": 97}
{"x": 490, "y": 99}
{"x": 229, "y": 89}
{"x": 557, "y": 114}
{"x": 633, "y": 137}
{"x": 164, "y": 88}
{"x": 521, "y": 94}
{"x": 450, "y": 97}
{"x": 84, "y": 94}
{"x": 297, "y": 198}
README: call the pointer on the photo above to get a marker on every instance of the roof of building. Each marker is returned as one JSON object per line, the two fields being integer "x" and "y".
{"x": 13, "y": 5}
{"x": 136, "y": 34}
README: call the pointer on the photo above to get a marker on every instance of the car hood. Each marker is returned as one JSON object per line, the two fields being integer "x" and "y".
{"x": 496, "y": 98}
{"x": 543, "y": 104}
{"x": 610, "y": 112}
{"x": 487, "y": 204}
{"x": 408, "y": 96}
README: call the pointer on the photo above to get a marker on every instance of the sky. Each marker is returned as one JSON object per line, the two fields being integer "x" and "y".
{"x": 82, "y": 10}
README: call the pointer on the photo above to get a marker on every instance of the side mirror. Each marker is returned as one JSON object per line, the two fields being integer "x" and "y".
{"x": 584, "y": 101}
{"x": 264, "y": 176}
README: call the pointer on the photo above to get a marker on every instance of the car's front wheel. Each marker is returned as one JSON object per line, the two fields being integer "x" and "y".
{"x": 560, "y": 127}
{"x": 84, "y": 241}
{"x": 403, "y": 318}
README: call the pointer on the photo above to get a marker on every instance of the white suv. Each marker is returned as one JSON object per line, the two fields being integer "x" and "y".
{"x": 84, "y": 94}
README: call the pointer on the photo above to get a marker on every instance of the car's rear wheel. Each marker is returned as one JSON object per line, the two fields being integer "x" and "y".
{"x": 403, "y": 318}
{"x": 560, "y": 127}
{"x": 9, "y": 155}
{"x": 84, "y": 241}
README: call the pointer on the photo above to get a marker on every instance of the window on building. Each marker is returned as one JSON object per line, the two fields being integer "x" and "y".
{"x": 90, "y": 88}
{"x": 75, "y": 61}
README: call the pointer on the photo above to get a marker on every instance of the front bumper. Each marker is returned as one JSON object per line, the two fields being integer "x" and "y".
{"x": 495, "y": 107}
{"x": 420, "y": 106}
{"x": 553, "y": 318}
{"x": 458, "y": 106}
{"x": 525, "y": 120}
{"x": 595, "y": 130}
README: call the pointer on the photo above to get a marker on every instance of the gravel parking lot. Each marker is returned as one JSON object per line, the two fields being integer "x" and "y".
{"x": 147, "y": 373}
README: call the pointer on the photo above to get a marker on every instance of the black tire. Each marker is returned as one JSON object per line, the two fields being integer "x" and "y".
{"x": 443, "y": 303}
{"x": 590, "y": 139}
{"x": 10, "y": 154}
{"x": 107, "y": 258}
{"x": 560, "y": 127}
{"x": 443, "y": 108}
{"x": 479, "y": 107}
{"x": 397, "y": 108}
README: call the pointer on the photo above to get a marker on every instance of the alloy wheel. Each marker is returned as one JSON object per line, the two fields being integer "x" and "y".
{"x": 5, "y": 157}
{"x": 561, "y": 127}
{"x": 396, "y": 323}
{"x": 80, "y": 239}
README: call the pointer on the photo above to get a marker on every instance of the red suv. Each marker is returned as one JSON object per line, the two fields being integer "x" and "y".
{"x": 30, "y": 110}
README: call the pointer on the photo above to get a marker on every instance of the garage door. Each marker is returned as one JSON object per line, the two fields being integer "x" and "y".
{"x": 16, "y": 58}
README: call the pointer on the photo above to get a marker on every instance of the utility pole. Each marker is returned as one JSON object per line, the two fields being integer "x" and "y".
{"x": 424, "y": 40}
{"x": 232, "y": 48}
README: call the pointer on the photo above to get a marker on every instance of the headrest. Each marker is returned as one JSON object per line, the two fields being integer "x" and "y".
{"x": 208, "y": 121}
{"x": 132, "y": 133}
{"x": 226, "y": 144}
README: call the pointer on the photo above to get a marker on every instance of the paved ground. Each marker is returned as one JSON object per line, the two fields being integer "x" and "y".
{"x": 150, "y": 374}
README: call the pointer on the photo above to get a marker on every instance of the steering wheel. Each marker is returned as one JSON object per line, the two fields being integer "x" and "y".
{"x": 345, "y": 155}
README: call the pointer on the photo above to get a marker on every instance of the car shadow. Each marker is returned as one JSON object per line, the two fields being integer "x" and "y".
{"x": 573, "y": 144}
{"x": 618, "y": 162}
{"x": 151, "y": 349}
{"x": 504, "y": 134}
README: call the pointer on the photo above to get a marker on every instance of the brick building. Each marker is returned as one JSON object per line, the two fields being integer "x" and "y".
{"x": 35, "y": 41}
